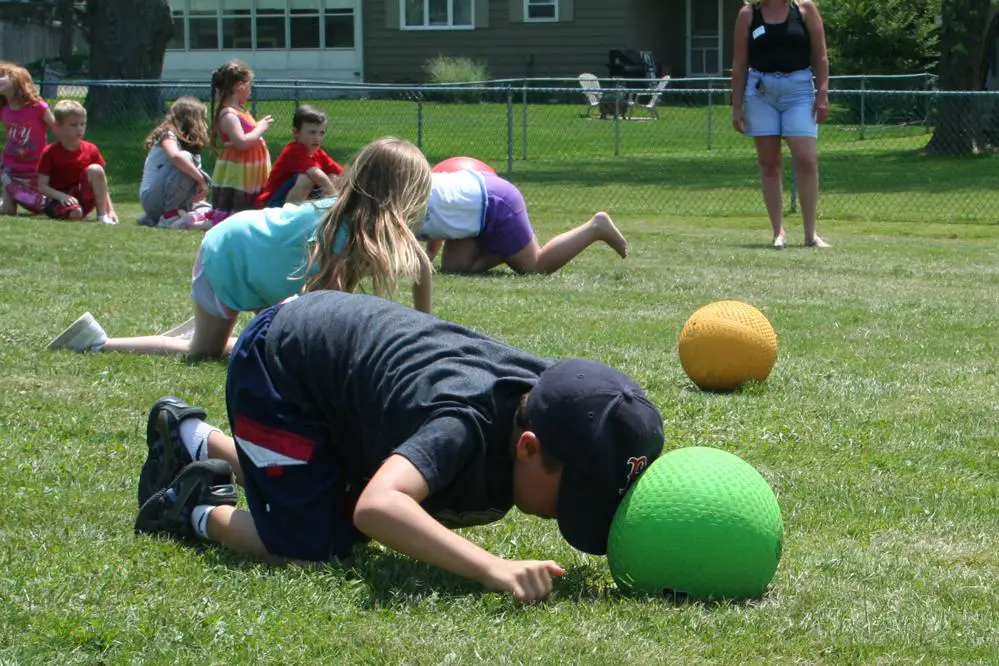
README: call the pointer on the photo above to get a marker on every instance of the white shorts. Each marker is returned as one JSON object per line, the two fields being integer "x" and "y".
{"x": 204, "y": 295}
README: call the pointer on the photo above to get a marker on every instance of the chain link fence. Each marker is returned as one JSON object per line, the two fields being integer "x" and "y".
{"x": 894, "y": 148}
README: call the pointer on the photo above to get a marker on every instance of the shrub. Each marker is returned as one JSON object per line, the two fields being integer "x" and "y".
{"x": 447, "y": 69}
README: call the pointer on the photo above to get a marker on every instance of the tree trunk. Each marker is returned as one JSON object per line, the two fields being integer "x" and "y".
{"x": 962, "y": 38}
{"x": 67, "y": 29}
{"x": 127, "y": 41}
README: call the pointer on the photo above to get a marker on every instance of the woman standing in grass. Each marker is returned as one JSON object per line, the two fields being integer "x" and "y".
{"x": 779, "y": 46}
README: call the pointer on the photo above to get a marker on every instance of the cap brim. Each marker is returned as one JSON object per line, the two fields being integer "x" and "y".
{"x": 584, "y": 515}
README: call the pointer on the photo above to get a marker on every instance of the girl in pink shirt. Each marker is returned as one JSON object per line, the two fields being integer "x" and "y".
{"x": 25, "y": 115}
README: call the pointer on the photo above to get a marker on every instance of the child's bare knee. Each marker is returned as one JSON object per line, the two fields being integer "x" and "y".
{"x": 96, "y": 172}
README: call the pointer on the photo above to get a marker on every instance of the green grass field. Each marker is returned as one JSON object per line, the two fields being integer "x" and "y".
{"x": 688, "y": 163}
{"x": 877, "y": 429}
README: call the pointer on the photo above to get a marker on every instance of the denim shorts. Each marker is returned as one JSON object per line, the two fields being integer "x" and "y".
{"x": 780, "y": 104}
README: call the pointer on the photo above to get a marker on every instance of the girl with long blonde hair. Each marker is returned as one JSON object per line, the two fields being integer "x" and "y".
{"x": 258, "y": 258}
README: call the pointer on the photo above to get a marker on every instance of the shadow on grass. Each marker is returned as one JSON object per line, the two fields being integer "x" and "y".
{"x": 842, "y": 172}
{"x": 393, "y": 580}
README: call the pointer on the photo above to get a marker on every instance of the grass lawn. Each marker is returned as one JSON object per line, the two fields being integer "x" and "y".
{"x": 689, "y": 163}
{"x": 877, "y": 429}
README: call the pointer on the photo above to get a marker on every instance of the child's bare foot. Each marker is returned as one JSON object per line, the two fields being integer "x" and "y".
{"x": 780, "y": 240}
{"x": 610, "y": 234}
{"x": 817, "y": 242}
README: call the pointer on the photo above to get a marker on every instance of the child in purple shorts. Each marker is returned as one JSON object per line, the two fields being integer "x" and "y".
{"x": 481, "y": 220}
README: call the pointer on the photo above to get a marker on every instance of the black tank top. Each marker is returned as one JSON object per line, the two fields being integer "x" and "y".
{"x": 779, "y": 47}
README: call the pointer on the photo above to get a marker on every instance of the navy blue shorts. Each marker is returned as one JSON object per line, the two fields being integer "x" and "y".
{"x": 294, "y": 484}
{"x": 281, "y": 193}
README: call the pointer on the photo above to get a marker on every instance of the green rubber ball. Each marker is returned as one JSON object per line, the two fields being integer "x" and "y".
{"x": 699, "y": 522}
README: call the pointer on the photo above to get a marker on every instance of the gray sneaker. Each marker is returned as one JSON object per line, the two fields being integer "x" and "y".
{"x": 83, "y": 335}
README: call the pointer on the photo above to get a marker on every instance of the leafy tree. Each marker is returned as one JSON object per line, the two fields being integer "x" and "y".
{"x": 882, "y": 36}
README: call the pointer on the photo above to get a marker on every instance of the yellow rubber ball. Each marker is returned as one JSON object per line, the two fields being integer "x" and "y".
{"x": 725, "y": 344}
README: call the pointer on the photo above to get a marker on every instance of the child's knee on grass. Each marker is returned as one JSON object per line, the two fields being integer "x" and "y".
{"x": 96, "y": 174}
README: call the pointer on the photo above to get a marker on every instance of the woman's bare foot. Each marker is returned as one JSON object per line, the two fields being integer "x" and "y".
{"x": 817, "y": 242}
{"x": 608, "y": 232}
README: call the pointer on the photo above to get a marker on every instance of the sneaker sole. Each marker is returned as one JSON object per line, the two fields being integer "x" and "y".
{"x": 68, "y": 338}
{"x": 160, "y": 469}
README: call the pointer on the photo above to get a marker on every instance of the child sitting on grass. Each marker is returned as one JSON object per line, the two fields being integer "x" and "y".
{"x": 173, "y": 182}
{"x": 26, "y": 116}
{"x": 303, "y": 169}
{"x": 71, "y": 171}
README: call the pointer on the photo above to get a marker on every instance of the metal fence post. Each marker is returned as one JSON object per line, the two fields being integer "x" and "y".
{"x": 617, "y": 121}
{"x": 509, "y": 132}
{"x": 710, "y": 109}
{"x": 253, "y": 107}
{"x": 863, "y": 105}
{"x": 294, "y": 84}
{"x": 524, "y": 146}
{"x": 419, "y": 120}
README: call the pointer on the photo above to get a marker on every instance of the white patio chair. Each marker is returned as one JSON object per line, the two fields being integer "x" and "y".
{"x": 591, "y": 91}
{"x": 654, "y": 95}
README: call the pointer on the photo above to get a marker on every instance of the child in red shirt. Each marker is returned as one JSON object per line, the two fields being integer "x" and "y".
{"x": 303, "y": 168}
{"x": 71, "y": 171}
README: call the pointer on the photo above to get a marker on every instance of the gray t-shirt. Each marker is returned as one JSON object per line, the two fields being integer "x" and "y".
{"x": 384, "y": 379}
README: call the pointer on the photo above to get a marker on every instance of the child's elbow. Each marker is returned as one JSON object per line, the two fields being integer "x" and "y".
{"x": 368, "y": 513}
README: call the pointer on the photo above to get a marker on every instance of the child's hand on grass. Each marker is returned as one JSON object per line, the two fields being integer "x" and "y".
{"x": 525, "y": 580}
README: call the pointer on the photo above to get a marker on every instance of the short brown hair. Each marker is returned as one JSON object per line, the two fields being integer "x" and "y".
{"x": 307, "y": 113}
{"x": 66, "y": 108}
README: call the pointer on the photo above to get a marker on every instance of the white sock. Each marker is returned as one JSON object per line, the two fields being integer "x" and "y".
{"x": 194, "y": 434}
{"x": 199, "y": 519}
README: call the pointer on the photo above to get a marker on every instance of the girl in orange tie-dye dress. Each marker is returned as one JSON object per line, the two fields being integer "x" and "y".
{"x": 244, "y": 163}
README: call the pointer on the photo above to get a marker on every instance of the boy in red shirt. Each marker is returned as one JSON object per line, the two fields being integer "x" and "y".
{"x": 303, "y": 168}
{"x": 71, "y": 171}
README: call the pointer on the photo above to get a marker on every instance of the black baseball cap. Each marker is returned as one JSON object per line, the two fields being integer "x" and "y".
{"x": 601, "y": 426}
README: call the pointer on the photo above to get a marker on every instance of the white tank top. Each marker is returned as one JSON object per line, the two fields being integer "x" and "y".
{"x": 457, "y": 207}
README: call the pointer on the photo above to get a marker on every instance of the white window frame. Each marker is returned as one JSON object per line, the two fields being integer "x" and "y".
{"x": 183, "y": 11}
{"x": 700, "y": 51}
{"x": 541, "y": 3}
{"x": 426, "y": 17}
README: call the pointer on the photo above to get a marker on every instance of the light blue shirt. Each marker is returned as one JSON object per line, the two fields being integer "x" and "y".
{"x": 258, "y": 258}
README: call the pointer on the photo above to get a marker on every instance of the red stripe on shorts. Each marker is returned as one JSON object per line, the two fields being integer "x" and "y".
{"x": 280, "y": 441}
